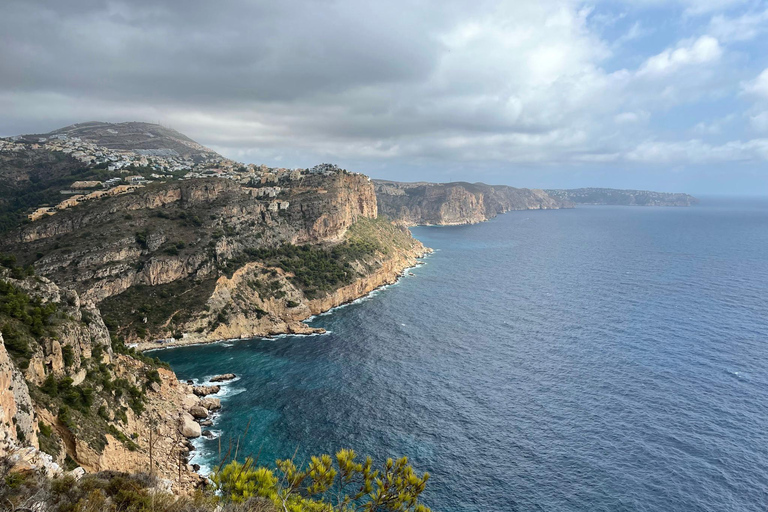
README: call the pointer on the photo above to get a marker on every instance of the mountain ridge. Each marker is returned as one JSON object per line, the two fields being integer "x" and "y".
{"x": 141, "y": 137}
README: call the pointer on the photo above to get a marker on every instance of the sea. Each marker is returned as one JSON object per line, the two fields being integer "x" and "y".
{"x": 595, "y": 359}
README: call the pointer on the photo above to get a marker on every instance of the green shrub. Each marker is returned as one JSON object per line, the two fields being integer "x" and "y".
{"x": 327, "y": 483}
{"x": 68, "y": 355}
{"x": 65, "y": 417}
{"x": 45, "y": 430}
{"x": 50, "y": 386}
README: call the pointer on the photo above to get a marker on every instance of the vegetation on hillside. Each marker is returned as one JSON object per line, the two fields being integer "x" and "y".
{"x": 167, "y": 305}
{"x": 327, "y": 484}
{"x": 28, "y": 326}
{"x": 318, "y": 270}
{"x": 46, "y": 174}
{"x": 24, "y": 320}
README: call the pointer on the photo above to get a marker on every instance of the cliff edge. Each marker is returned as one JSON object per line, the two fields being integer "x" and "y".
{"x": 456, "y": 203}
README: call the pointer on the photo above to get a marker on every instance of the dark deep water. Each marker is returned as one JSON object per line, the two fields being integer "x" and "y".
{"x": 596, "y": 359}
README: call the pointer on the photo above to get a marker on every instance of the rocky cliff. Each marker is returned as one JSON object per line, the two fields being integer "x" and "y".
{"x": 195, "y": 260}
{"x": 70, "y": 395}
{"x": 456, "y": 203}
{"x": 179, "y": 262}
{"x": 185, "y": 257}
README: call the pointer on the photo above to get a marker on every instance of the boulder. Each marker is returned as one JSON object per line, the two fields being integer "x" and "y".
{"x": 189, "y": 428}
{"x": 208, "y": 434}
{"x": 206, "y": 390}
{"x": 206, "y": 423}
{"x": 190, "y": 401}
{"x": 212, "y": 404}
{"x": 198, "y": 412}
{"x": 224, "y": 377}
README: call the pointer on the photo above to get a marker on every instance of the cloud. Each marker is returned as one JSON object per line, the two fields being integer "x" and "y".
{"x": 698, "y": 152}
{"x": 703, "y": 50}
{"x": 759, "y": 121}
{"x": 741, "y": 28}
{"x": 394, "y": 83}
{"x": 757, "y": 87}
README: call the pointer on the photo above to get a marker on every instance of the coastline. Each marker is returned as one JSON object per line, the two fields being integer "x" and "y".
{"x": 195, "y": 461}
{"x": 387, "y": 274}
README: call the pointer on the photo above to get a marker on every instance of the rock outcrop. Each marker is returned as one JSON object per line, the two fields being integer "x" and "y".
{"x": 18, "y": 420}
{"x": 223, "y": 378}
{"x": 189, "y": 427}
{"x": 456, "y": 203}
{"x": 65, "y": 394}
{"x": 205, "y": 390}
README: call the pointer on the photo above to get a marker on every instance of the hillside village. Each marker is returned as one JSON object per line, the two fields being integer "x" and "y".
{"x": 133, "y": 169}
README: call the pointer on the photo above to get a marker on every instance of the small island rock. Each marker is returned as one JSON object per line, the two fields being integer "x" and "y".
{"x": 223, "y": 377}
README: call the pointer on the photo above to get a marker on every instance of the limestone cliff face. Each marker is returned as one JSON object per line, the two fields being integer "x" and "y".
{"x": 185, "y": 229}
{"x": 18, "y": 421}
{"x": 390, "y": 268}
{"x": 75, "y": 351}
{"x": 456, "y": 203}
{"x": 262, "y": 300}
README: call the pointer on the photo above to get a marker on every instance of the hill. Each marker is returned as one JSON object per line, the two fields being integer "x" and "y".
{"x": 143, "y": 138}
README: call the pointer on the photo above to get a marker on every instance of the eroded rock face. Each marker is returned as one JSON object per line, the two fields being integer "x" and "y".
{"x": 18, "y": 421}
{"x": 456, "y": 203}
{"x": 101, "y": 249}
{"x": 80, "y": 336}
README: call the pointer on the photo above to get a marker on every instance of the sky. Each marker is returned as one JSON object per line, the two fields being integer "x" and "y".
{"x": 665, "y": 95}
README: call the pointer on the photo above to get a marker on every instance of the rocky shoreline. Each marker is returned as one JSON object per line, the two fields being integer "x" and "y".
{"x": 390, "y": 271}
{"x": 201, "y": 405}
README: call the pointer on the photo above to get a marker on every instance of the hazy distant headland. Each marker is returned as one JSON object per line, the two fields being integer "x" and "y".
{"x": 611, "y": 196}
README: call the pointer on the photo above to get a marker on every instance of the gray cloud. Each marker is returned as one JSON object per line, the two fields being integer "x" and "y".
{"x": 385, "y": 86}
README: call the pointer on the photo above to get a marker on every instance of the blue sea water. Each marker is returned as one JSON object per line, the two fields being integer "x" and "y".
{"x": 595, "y": 359}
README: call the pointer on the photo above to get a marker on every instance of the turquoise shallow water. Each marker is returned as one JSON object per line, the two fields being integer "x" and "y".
{"x": 602, "y": 358}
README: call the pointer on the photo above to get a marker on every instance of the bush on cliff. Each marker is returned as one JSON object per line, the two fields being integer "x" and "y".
{"x": 340, "y": 484}
{"x": 24, "y": 319}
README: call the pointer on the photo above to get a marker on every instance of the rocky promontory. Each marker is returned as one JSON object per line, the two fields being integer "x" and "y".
{"x": 456, "y": 203}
